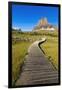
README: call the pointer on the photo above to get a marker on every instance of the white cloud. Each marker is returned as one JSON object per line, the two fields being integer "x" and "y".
{"x": 15, "y": 28}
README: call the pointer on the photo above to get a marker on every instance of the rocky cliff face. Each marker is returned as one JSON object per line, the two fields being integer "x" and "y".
{"x": 43, "y": 24}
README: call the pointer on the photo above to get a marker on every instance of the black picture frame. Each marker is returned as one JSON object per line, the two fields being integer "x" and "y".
{"x": 10, "y": 42}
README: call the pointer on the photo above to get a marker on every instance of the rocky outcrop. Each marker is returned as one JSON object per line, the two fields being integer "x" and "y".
{"x": 43, "y": 24}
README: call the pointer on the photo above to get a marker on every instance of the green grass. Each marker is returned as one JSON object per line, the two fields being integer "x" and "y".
{"x": 50, "y": 48}
{"x": 19, "y": 50}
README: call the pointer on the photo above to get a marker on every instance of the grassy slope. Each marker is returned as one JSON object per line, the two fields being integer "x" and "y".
{"x": 50, "y": 48}
{"x": 19, "y": 50}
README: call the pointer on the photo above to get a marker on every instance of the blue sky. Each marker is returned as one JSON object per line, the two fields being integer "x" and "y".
{"x": 26, "y": 17}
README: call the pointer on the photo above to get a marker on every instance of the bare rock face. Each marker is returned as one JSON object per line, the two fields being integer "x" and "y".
{"x": 43, "y": 24}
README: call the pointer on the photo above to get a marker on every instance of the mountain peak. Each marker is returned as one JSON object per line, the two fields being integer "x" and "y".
{"x": 43, "y": 24}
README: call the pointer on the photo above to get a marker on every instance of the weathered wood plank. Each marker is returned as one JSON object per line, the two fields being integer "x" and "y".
{"x": 37, "y": 69}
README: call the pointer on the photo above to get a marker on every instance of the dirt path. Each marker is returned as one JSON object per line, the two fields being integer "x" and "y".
{"x": 37, "y": 69}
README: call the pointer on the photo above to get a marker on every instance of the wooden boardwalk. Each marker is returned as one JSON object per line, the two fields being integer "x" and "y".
{"x": 37, "y": 69}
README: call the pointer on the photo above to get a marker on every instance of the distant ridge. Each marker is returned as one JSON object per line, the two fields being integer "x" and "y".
{"x": 43, "y": 24}
{"x": 16, "y": 29}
